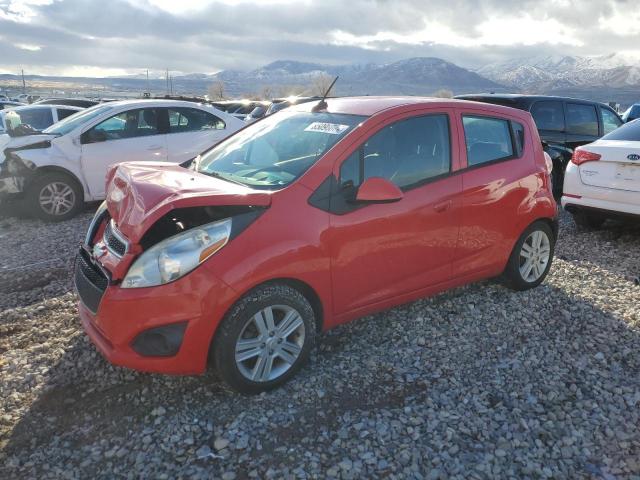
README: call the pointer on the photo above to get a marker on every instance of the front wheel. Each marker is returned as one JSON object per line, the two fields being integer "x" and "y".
{"x": 531, "y": 257}
{"x": 54, "y": 196}
{"x": 265, "y": 339}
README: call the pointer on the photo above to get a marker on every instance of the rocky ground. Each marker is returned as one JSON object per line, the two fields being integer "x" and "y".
{"x": 479, "y": 382}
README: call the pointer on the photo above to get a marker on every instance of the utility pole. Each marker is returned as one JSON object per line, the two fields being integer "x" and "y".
{"x": 167, "y": 81}
{"x": 148, "y": 81}
{"x": 171, "y": 83}
{"x": 24, "y": 85}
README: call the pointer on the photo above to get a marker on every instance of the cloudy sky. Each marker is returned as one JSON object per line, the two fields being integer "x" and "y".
{"x": 113, "y": 37}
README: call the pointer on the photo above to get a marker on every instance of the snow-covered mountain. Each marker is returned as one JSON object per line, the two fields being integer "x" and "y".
{"x": 413, "y": 76}
{"x": 548, "y": 73}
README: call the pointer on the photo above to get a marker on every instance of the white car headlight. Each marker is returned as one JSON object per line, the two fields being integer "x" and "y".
{"x": 178, "y": 255}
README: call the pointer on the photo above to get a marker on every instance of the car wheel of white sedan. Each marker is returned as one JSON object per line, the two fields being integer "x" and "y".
{"x": 54, "y": 196}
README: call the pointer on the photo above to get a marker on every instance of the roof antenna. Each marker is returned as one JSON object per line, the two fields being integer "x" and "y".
{"x": 322, "y": 104}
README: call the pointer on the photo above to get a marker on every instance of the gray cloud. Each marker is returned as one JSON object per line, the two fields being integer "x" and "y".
{"x": 137, "y": 35}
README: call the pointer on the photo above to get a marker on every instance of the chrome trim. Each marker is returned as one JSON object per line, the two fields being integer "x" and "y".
{"x": 116, "y": 233}
{"x": 95, "y": 221}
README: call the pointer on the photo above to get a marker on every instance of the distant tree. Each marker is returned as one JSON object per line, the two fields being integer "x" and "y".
{"x": 443, "y": 93}
{"x": 320, "y": 83}
{"x": 217, "y": 90}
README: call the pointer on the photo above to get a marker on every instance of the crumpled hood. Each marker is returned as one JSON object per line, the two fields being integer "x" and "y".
{"x": 6, "y": 141}
{"x": 140, "y": 193}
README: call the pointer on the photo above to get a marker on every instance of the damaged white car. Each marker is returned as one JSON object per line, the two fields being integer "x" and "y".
{"x": 56, "y": 171}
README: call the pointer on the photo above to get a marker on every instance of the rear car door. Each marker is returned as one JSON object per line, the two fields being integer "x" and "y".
{"x": 132, "y": 135}
{"x": 550, "y": 121}
{"x": 499, "y": 155}
{"x": 383, "y": 250}
{"x": 192, "y": 131}
{"x": 582, "y": 124}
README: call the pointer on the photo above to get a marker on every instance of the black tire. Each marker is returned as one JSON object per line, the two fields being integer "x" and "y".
{"x": 233, "y": 326}
{"x": 588, "y": 221}
{"x": 59, "y": 180}
{"x": 512, "y": 275}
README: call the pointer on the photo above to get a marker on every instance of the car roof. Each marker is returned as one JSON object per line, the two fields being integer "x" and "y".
{"x": 42, "y": 107}
{"x": 154, "y": 102}
{"x": 515, "y": 97}
{"x": 370, "y": 105}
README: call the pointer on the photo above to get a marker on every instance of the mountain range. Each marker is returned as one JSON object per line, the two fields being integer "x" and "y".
{"x": 614, "y": 77}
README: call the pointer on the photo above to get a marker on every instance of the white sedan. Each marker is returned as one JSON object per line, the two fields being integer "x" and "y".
{"x": 603, "y": 178}
{"x": 58, "y": 170}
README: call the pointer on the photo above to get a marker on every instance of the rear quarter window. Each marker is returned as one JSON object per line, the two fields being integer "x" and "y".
{"x": 488, "y": 139}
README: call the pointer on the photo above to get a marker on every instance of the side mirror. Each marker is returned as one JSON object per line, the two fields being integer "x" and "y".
{"x": 378, "y": 190}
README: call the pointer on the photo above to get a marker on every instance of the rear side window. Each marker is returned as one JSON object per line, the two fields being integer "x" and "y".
{"x": 38, "y": 118}
{"x": 193, "y": 120}
{"x": 407, "y": 153}
{"x": 64, "y": 113}
{"x": 487, "y": 139}
{"x": 610, "y": 120}
{"x": 548, "y": 115}
{"x": 629, "y": 132}
{"x": 582, "y": 119}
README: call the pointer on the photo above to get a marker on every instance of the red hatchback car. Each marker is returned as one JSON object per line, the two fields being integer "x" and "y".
{"x": 309, "y": 218}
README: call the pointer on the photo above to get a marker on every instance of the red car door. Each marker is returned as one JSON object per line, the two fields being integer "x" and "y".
{"x": 382, "y": 250}
{"x": 498, "y": 156}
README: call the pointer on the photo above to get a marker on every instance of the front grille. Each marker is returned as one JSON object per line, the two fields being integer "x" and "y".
{"x": 91, "y": 282}
{"x": 113, "y": 240}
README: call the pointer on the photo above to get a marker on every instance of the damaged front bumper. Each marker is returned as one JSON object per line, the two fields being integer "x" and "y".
{"x": 14, "y": 174}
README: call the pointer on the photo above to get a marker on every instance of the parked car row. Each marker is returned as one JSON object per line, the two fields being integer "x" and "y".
{"x": 60, "y": 168}
{"x": 237, "y": 242}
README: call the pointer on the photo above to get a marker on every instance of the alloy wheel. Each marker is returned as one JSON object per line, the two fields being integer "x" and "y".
{"x": 534, "y": 256}
{"x": 270, "y": 343}
{"x": 57, "y": 198}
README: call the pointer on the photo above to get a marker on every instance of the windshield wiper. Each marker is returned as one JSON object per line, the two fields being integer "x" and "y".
{"x": 223, "y": 177}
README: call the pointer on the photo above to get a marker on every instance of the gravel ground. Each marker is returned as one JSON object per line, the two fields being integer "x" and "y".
{"x": 479, "y": 382}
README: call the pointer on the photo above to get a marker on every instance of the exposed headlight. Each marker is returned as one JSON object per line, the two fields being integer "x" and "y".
{"x": 178, "y": 255}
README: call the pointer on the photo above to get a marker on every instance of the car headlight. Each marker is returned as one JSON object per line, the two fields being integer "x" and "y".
{"x": 178, "y": 255}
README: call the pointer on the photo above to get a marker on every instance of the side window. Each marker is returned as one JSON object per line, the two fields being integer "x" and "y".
{"x": 487, "y": 139}
{"x": 406, "y": 153}
{"x": 610, "y": 121}
{"x": 582, "y": 119}
{"x": 518, "y": 137}
{"x": 130, "y": 124}
{"x": 193, "y": 120}
{"x": 64, "y": 113}
{"x": 38, "y": 118}
{"x": 548, "y": 115}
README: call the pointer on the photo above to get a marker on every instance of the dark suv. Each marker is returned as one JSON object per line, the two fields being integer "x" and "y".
{"x": 563, "y": 123}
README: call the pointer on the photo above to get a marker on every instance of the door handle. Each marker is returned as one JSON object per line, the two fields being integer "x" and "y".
{"x": 155, "y": 147}
{"x": 442, "y": 206}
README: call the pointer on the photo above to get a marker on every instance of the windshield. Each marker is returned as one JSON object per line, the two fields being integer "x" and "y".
{"x": 629, "y": 132}
{"x": 273, "y": 152}
{"x": 71, "y": 122}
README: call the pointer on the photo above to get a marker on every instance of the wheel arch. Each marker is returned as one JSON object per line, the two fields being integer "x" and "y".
{"x": 56, "y": 169}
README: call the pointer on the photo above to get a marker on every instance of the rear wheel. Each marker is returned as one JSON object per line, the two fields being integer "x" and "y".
{"x": 588, "y": 221}
{"x": 531, "y": 257}
{"x": 265, "y": 339}
{"x": 54, "y": 196}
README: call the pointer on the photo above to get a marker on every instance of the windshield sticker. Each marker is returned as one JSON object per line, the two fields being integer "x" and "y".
{"x": 331, "y": 128}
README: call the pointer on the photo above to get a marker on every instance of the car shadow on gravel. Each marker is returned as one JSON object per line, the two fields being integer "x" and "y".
{"x": 479, "y": 374}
